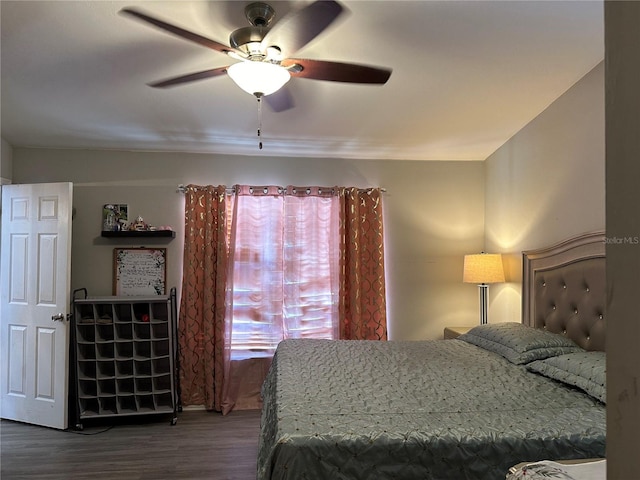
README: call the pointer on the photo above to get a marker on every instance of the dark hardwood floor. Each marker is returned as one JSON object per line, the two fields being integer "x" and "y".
{"x": 201, "y": 445}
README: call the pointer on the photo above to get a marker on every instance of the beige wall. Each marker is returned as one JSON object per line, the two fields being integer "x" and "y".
{"x": 434, "y": 214}
{"x": 622, "y": 38}
{"x": 6, "y": 162}
{"x": 546, "y": 184}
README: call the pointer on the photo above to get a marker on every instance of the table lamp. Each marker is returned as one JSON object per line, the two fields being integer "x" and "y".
{"x": 483, "y": 269}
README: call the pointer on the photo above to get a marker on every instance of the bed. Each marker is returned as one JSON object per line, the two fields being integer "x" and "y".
{"x": 468, "y": 408}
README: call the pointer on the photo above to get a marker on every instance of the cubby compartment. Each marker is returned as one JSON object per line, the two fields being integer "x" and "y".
{"x": 141, "y": 331}
{"x": 85, "y": 314}
{"x": 124, "y": 368}
{"x": 124, "y": 356}
{"x": 160, "y": 330}
{"x": 124, "y": 350}
{"x": 105, "y": 369}
{"x": 142, "y": 368}
{"x": 162, "y": 383}
{"x": 87, "y": 388}
{"x": 163, "y": 401}
{"x": 104, "y": 332}
{"x": 159, "y": 312}
{"x": 105, "y": 351}
{"x": 160, "y": 366}
{"x": 123, "y": 331}
{"x": 127, "y": 404}
{"x": 142, "y": 349}
{"x": 108, "y": 406}
{"x": 125, "y": 386}
{"x": 123, "y": 312}
{"x": 86, "y": 351}
{"x": 86, "y": 333}
{"x": 103, "y": 313}
{"x": 86, "y": 369}
{"x": 143, "y": 385}
{"x": 141, "y": 312}
{"x": 145, "y": 403}
{"x": 88, "y": 407}
{"x": 107, "y": 387}
{"x": 159, "y": 348}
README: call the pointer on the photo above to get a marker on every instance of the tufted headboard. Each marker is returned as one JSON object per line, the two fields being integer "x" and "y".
{"x": 564, "y": 289}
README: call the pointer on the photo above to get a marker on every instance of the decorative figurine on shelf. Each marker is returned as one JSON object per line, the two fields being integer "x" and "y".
{"x": 139, "y": 224}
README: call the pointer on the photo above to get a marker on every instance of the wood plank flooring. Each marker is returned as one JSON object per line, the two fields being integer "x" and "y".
{"x": 202, "y": 445}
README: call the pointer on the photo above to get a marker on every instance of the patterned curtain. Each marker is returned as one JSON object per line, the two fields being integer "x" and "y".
{"x": 204, "y": 328}
{"x": 201, "y": 329}
{"x": 362, "y": 286}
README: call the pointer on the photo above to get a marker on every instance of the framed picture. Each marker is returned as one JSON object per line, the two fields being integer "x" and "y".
{"x": 139, "y": 271}
{"x": 114, "y": 216}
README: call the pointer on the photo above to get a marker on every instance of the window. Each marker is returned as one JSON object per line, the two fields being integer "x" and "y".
{"x": 285, "y": 261}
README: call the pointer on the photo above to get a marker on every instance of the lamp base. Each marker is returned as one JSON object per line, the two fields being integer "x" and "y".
{"x": 483, "y": 291}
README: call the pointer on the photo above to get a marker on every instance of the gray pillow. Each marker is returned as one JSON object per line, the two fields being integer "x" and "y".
{"x": 519, "y": 343}
{"x": 585, "y": 370}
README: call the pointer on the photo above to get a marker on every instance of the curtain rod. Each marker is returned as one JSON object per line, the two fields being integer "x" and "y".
{"x": 182, "y": 188}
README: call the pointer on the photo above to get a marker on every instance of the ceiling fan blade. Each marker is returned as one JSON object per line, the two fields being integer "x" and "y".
{"x": 281, "y": 100}
{"x": 181, "y": 32}
{"x": 297, "y": 29}
{"x": 337, "y": 72}
{"x": 192, "y": 77}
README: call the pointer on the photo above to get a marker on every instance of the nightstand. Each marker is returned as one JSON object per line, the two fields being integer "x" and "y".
{"x": 454, "y": 332}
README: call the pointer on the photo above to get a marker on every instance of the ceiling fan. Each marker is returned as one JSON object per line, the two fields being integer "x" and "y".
{"x": 264, "y": 52}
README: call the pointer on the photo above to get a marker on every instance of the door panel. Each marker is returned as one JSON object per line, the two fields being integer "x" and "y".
{"x": 46, "y": 363}
{"x": 36, "y": 261}
{"x": 47, "y": 249}
{"x": 18, "y": 261}
{"x": 17, "y": 361}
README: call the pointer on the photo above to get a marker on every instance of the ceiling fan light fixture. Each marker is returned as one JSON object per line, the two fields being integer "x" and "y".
{"x": 258, "y": 78}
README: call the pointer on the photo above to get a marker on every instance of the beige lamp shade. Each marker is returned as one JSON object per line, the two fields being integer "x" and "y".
{"x": 483, "y": 268}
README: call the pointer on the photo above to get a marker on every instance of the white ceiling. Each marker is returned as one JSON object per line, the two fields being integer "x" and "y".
{"x": 466, "y": 77}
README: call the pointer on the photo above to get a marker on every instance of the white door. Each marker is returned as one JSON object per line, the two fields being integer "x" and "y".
{"x": 34, "y": 303}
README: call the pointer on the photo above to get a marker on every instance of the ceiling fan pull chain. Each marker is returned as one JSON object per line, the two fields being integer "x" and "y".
{"x": 259, "y": 97}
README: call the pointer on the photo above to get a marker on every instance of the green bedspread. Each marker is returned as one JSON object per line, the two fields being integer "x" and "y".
{"x": 442, "y": 409}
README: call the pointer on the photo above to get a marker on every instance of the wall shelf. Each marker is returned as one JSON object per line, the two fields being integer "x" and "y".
{"x": 139, "y": 234}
